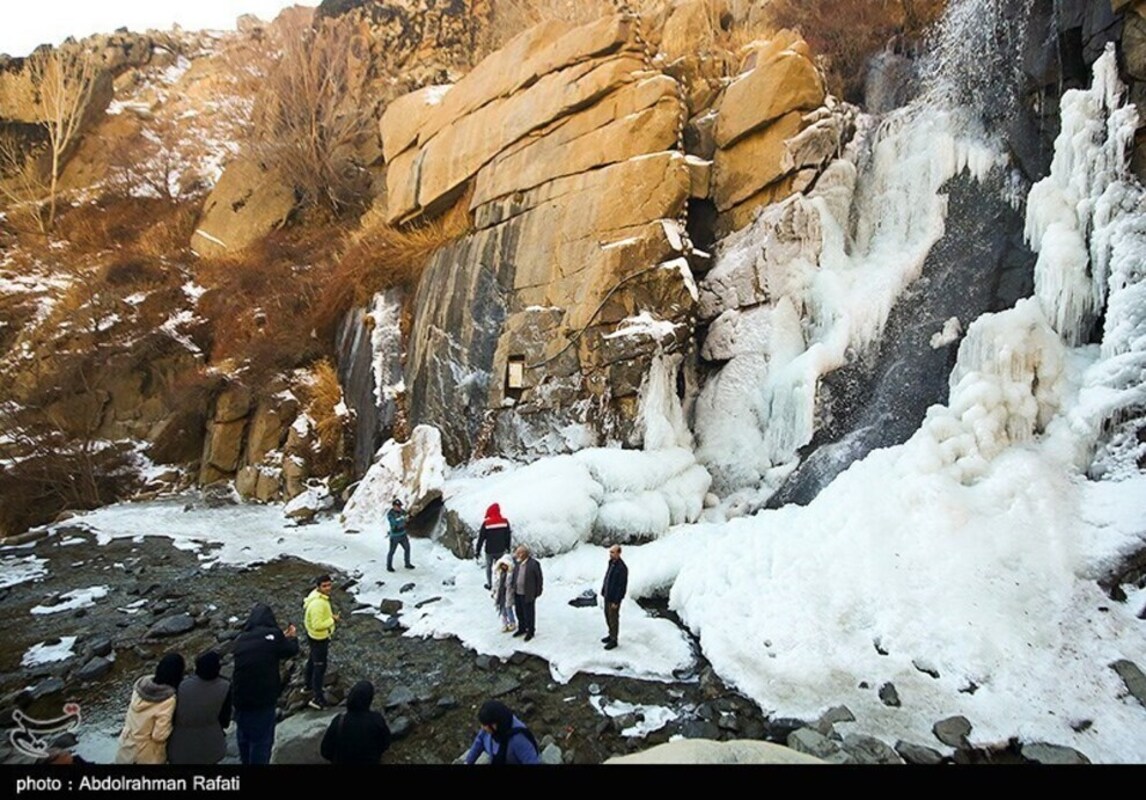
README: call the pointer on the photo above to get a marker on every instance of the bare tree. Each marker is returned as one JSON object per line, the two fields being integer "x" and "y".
{"x": 312, "y": 117}
{"x": 22, "y": 185}
{"x": 65, "y": 79}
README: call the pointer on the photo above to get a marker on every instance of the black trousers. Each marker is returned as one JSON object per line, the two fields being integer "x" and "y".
{"x": 316, "y": 665}
{"x": 613, "y": 618}
{"x": 524, "y": 609}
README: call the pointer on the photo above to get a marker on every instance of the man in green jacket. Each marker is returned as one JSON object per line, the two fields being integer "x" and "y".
{"x": 319, "y": 620}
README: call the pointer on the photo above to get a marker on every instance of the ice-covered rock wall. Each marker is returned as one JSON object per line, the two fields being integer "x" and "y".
{"x": 838, "y": 347}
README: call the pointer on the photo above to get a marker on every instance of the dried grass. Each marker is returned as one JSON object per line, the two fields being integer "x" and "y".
{"x": 380, "y": 256}
{"x": 846, "y": 33}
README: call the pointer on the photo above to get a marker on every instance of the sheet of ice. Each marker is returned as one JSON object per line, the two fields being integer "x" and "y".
{"x": 44, "y": 653}
{"x": 77, "y": 598}
{"x": 15, "y": 570}
{"x": 651, "y": 718}
{"x": 568, "y": 637}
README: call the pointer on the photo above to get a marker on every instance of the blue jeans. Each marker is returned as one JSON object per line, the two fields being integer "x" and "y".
{"x": 394, "y": 542}
{"x": 255, "y": 732}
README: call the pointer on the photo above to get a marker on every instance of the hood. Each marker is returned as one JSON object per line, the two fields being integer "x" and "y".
{"x": 360, "y": 697}
{"x": 148, "y": 692}
{"x": 261, "y": 617}
{"x": 506, "y": 559}
{"x": 314, "y": 595}
{"x": 493, "y": 515}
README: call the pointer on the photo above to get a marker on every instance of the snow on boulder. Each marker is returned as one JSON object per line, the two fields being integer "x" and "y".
{"x": 316, "y": 497}
{"x": 598, "y": 495}
{"x": 551, "y": 504}
{"x": 413, "y": 471}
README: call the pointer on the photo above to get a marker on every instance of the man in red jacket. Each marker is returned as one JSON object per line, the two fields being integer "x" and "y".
{"x": 494, "y": 535}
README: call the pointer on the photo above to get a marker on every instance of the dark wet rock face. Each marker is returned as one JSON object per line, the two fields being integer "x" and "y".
{"x": 979, "y": 265}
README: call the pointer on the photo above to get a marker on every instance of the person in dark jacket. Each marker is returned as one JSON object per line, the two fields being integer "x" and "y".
{"x": 396, "y": 518}
{"x": 613, "y": 590}
{"x": 360, "y": 735}
{"x": 503, "y": 737}
{"x": 202, "y": 714}
{"x": 494, "y": 536}
{"x": 256, "y": 683}
{"x": 527, "y": 584}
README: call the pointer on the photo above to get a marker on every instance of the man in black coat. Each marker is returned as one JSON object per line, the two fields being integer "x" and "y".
{"x": 256, "y": 683}
{"x": 613, "y": 591}
{"x": 527, "y": 584}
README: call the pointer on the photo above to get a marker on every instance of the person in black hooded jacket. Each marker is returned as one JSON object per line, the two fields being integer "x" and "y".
{"x": 256, "y": 684}
{"x": 358, "y": 736}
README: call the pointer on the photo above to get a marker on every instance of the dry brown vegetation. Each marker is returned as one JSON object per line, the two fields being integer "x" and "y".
{"x": 380, "y": 256}
{"x": 846, "y": 33}
{"x": 322, "y": 395}
{"x": 312, "y": 116}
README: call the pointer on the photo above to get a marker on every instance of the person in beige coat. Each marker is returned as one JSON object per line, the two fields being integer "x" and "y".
{"x": 147, "y": 726}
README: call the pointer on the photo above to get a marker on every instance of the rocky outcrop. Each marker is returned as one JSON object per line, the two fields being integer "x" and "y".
{"x": 775, "y": 130}
{"x": 546, "y": 316}
{"x": 246, "y": 204}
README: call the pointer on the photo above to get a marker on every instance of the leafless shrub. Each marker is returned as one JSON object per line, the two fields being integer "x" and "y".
{"x": 312, "y": 115}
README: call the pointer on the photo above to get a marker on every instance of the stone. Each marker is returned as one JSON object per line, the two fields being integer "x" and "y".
{"x": 401, "y": 727}
{"x": 459, "y": 150}
{"x": 753, "y": 162}
{"x": 953, "y": 731}
{"x": 546, "y": 48}
{"x": 814, "y": 743}
{"x": 99, "y": 646}
{"x": 837, "y": 714}
{"x": 171, "y": 626}
{"x": 399, "y": 696}
{"x": 269, "y": 424}
{"x": 504, "y": 685}
{"x": 390, "y": 606}
{"x": 787, "y": 83}
{"x": 701, "y": 751}
{"x": 404, "y": 117}
{"x": 1133, "y": 677}
{"x": 46, "y": 687}
{"x": 869, "y": 750}
{"x": 298, "y": 737}
{"x": 94, "y": 669}
{"x": 1043, "y": 753}
{"x": 699, "y": 729}
{"x": 888, "y": 695}
{"x": 636, "y": 119}
{"x": 268, "y": 487}
{"x": 551, "y": 754}
{"x": 246, "y": 204}
{"x": 412, "y": 471}
{"x": 221, "y": 449}
{"x": 233, "y": 403}
{"x": 918, "y": 754}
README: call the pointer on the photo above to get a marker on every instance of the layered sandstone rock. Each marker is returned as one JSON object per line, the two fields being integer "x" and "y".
{"x": 774, "y": 129}
{"x": 247, "y": 204}
{"x": 529, "y": 325}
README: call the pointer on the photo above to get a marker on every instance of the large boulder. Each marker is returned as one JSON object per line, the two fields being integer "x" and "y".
{"x": 412, "y": 471}
{"x": 705, "y": 751}
{"x": 298, "y": 738}
{"x": 246, "y": 204}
